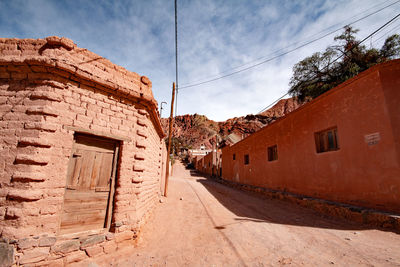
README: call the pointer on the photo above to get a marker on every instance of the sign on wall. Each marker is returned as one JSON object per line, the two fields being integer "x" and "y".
{"x": 372, "y": 139}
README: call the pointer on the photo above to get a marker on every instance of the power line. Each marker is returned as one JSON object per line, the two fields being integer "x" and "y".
{"x": 316, "y": 34}
{"x": 380, "y": 28}
{"x": 258, "y": 64}
{"x": 387, "y": 33}
{"x": 343, "y": 54}
{"x": 273, "y": 103}
{"x": 284, "y": 53}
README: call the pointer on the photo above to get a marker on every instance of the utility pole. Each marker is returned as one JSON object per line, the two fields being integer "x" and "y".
{"x": 176, "y": 56}
{"x": 171, "y": 119}
{"x": 216, "y": 155}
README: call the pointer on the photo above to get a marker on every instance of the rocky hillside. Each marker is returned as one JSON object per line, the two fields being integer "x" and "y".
{"x": 191, "y": 131}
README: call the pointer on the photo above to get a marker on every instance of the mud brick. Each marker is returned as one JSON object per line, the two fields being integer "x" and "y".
{"x": 119, "y": 237}
{"x": 110, "y": 247}
{"x": 76, "y": 256}
{"x": 94, "y": 251}
{"x": 34, "y": 255}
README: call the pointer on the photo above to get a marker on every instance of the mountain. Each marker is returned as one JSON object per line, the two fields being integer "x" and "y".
{"x": 191, "y": 131}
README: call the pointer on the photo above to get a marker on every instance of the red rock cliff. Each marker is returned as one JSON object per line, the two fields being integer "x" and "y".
{"x": 191, "y": 131}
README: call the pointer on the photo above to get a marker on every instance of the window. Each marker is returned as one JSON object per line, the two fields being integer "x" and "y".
{"x": 246, "y": 159}
{"x": 234, "y": 156}
{"x": 272, "y": 153}
{"x": 326, "y": 140}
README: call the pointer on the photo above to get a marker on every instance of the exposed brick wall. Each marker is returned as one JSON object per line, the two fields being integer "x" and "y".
{"x": 49, "y": 90}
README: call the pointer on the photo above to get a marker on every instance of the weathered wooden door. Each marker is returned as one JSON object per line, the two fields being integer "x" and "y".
{"x": 90, "y": 183}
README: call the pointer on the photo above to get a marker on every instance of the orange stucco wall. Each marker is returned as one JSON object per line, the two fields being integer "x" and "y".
{"x": 209, "y": 163}
{"x": 358, "y": 173}
{"x": 199, "y": 162}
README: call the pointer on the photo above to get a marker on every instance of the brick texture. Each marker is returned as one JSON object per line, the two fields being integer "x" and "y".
{"x": 49, "y": 90}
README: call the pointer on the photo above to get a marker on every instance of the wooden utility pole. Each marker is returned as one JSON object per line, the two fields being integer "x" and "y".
{"x": 176, "y": 56}
{"x": 216, "y": 155}
{"x": 171, "y": 119}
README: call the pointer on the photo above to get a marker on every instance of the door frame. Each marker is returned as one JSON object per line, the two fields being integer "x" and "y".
{"x": 111, "y": 196}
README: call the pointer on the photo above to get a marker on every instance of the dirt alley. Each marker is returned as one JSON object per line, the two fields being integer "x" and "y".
{"x": 214, "y": 225}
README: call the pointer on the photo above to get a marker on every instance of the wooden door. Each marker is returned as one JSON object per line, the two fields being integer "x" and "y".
{"x": 90, "y": 182}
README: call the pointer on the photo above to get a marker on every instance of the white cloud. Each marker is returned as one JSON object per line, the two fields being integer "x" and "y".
{"x": 214, "y": 36}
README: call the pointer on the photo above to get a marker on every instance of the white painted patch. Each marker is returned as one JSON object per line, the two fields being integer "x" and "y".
{"x": 372, "y": 139}
{"x": 237, "y": 177}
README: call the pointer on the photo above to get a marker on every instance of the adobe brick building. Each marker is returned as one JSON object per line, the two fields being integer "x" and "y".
{"x": 344, "y": 146}
{"x": 81, "y": 153}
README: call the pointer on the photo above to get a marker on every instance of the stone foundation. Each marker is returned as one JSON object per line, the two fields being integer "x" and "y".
{"x": 379, "y": 219}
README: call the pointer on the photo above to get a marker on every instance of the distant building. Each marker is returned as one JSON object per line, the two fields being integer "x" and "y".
{"x": 198, "y": 162}
{"x": 210, "y": 163}
{"x": 343, "y": 146}
{"x": 195, "y": 155}
{"x": 230, "y": 139}
{"x": 202, "y": 151}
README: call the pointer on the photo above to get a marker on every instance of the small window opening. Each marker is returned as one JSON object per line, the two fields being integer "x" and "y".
{"x": 234, "y": 156}
{"x": 246, "y": 159}
{"x": 272, "y": 153}
{"x": 326, "y": 140}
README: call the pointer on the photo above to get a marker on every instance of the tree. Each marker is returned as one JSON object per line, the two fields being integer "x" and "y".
{"x": 321, "y": 72}
{"x": 313, "y": 76}
{"x": 390, "y": 48}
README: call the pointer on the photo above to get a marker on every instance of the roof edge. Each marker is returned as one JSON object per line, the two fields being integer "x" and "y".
{"x": 375, "y": 68}
{"x": 62, "y": 53}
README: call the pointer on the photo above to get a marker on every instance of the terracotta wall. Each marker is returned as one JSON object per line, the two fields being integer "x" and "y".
{"x": 49, "y": 90}
{"x": 209, "y": 163}
{"x": 199, "y": 163}
{"x": 361, "y": 172}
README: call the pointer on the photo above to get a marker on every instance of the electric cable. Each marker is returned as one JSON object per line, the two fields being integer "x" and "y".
{"x": 387, "y": 33}
{"x": 295, "y": 43}
{"x": 343, "y": 54}
{"x": 284, "y": 53}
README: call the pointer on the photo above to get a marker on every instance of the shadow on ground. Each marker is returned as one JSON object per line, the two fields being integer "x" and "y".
{"x": 194, "y": 173}
{"x": 250, "y": 206}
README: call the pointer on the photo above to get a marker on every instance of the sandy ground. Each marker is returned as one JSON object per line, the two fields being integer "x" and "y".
{"x": 214, "y": 225}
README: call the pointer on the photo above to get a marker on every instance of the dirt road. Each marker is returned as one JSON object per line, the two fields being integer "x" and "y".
{"x": 214, "y": 225}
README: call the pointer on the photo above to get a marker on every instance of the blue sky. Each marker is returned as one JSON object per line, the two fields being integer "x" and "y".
{"x": 214, "y": 37}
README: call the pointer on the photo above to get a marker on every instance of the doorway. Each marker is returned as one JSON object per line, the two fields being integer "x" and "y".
{"x": 89, "y": 191}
